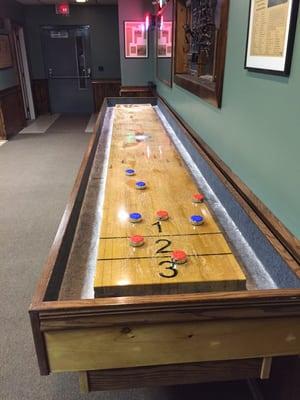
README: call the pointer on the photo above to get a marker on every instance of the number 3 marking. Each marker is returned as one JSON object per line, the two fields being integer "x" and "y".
{"x": 172, "y": 268}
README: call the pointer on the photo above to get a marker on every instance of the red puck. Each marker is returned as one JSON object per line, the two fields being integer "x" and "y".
{"x": 137, "y": 241}
{"x": 179, "y": 256}
{"x": 162, "y": 215}
{"x": 198, "y": 198}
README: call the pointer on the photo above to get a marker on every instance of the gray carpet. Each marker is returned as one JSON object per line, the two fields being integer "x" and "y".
{"x": 36, "y": 175}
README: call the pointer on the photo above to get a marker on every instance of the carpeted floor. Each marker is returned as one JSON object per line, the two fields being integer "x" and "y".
{"x": 37, "y": 173}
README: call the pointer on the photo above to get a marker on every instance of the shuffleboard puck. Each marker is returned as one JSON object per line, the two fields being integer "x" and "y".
{"x": 135, "y": 217}
{"x": 198, "y": 198}
{"x": 130, "y": 172}
{"x": 179, "y": 257}
{"x": 196, "y": 219}
{"x": 136, "y": 241}
{"x": 162, "y": 215}
{"x": 140, "y": 185}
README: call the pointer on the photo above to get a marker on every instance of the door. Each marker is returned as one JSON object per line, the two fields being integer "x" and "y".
{"x": 25, "y": 81}
{"x": 68, "y": 67}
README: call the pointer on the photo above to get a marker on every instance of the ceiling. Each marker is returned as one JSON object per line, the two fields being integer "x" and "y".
{"x": 91, "y": 2}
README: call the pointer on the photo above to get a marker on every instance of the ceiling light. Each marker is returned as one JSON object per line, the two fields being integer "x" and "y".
{"x": 81, "y": 1}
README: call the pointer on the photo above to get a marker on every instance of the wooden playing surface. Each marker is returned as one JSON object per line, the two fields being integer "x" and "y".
{"x": 139, "y": 141}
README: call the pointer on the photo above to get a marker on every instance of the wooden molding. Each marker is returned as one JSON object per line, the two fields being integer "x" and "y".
{"x": 12, "y": 111}
{"x": 280, "y": 237}
{"x": 40, "y": 91}
{"x": 103, "y": 88}
{"x": 136, "y": 91}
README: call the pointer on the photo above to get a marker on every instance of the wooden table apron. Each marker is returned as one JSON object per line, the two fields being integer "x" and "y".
{"x": 122, "y": 332}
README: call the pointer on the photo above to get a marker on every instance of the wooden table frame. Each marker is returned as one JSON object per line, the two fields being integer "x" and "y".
{"x": 229, "y": 318}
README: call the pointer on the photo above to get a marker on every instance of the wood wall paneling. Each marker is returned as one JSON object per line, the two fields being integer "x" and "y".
{"x": 11, "y": 111}
{"x": 40, "y": 91}
{"x": 137, "y": 91}
{"x": 103, "y": 89}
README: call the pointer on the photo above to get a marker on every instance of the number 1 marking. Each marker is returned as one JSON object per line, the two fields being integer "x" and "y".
{"x": 158, "y": 224}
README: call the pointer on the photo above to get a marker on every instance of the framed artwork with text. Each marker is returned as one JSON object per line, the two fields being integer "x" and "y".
{"x": 165, "y": 42}
{"x": 271, "y": 34}
{"x": 136, "y": 39}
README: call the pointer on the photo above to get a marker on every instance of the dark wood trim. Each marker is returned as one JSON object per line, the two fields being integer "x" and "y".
{"x": 168, "y": 308}
{"x": 41, "y": 99}
{"x": 11, "y": 111}
{"x": 6, "y": 92}
{"x": 136, "y": 91}
{"x": 39, "y": 343}
{"x": 199, "y": 90}
{"x": 103, "y": 88}
{"x": 163, "y": 375}
{"x": 280, "y": 237}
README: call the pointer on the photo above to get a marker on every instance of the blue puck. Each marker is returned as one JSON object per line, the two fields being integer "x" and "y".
{"x": 140, "y": 185}
{"x": 130, "y": 172}
{"x": 196, "y": 220}
{"x": 135, "y": 217}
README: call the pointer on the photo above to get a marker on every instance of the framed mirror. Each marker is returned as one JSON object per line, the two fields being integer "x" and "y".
{"x": 201, "y": 35}
{"x": 164, "y": 43}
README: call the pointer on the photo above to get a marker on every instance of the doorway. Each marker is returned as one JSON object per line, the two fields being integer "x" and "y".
{"x": 23, "y": 70}
{"x": 67, "y": 58}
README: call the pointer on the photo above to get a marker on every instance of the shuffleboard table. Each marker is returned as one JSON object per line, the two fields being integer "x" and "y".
{"x": 166, "y": 268}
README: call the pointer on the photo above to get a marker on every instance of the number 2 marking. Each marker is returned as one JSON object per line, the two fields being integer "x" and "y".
{"x": 162, "y": 249}
{"x": 172, "y": 268}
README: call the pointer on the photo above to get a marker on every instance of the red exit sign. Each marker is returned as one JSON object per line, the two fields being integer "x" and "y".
{"x": 62, "y": 9}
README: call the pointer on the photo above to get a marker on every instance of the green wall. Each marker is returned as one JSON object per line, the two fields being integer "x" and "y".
{"x": 135, "y": 72}
{"x": 104, "y": 36}
{"x": 11, "y": 10}
{"x": 257, "y": 131}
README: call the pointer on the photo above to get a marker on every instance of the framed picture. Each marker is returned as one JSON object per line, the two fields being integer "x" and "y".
{"x": 164, "y": 40}
{"x": 136, "y": 39}
{"x": 5, "y": 52}
{"x": 271, "y": 34}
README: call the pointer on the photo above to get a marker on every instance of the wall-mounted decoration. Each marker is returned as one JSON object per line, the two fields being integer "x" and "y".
{"x": 6, "y": 60}
{"x": 271, "y": 33}
{"x": 136, "y": 39}
{"x": 201, "y": 33}
{"x": 164, "y": 39}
